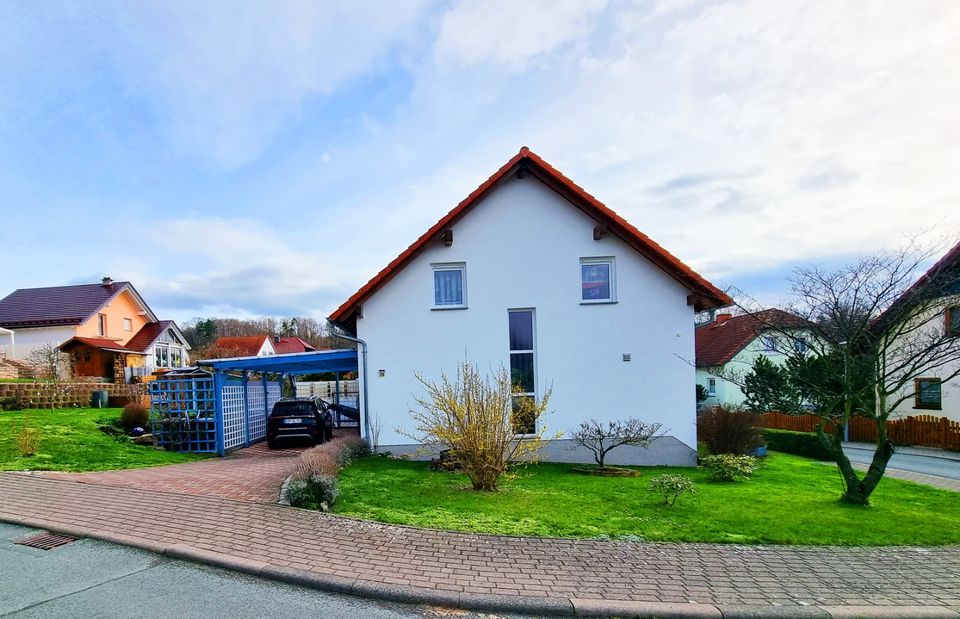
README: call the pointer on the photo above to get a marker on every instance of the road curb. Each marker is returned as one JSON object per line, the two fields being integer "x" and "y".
{"x": 534, "y": 605}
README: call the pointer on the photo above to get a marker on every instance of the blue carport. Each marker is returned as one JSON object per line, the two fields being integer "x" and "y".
{"x": 228, "y": 407}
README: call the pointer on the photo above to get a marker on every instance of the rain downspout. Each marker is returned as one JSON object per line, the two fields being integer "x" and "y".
{"x": 335, "y": 332}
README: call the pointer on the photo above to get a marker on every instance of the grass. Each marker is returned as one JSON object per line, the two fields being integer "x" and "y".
{"x": 19, "y": 380}
{"x": 789, "y": 500}
{"x": 71, "y": 441}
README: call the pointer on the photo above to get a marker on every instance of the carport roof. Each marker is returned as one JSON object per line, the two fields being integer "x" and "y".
{"x": 296, "y": 363}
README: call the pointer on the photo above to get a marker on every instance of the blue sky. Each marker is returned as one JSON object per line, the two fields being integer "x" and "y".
{"x": 267, "y": 158}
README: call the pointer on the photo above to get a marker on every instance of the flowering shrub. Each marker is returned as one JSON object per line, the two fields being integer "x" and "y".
{"x": 727, "y": 467}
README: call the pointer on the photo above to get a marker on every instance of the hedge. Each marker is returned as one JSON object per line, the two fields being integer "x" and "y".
{"x": 805, "y": 444}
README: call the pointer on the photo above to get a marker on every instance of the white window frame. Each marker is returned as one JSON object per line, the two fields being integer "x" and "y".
{"x": 769, "y": 343}
{"x": 612, "y": 263}
{"x": 449, "y": 266}
{"x": 712, "y": 387}
{"x": 127, "y": 325}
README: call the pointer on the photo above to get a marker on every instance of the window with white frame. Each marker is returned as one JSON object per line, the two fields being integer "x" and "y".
{"x": 449, "y": 285}
{"x": 712, "y": 387}
{"x": 597, "y": 280}
{"x": 127, "y": 324}
{"x": 102, "y": 324}
{"x": 522, "y": 368}
{"x": 769, "y": 343}
{"x": 800, "y": 345}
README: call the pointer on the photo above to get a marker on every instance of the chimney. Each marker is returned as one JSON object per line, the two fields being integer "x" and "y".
{"x": 722, "y": 318}
{"x": 106, "y": 282}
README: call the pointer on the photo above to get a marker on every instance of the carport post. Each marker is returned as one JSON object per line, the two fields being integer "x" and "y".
{"x": 266, "y": 401}
{"x": 246, "y": 412}
{"x": 218, "y": 408}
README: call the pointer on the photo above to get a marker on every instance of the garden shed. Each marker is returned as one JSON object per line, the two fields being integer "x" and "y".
{"x": 223, "y": 404}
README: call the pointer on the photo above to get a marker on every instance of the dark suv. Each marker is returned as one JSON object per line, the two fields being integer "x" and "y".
{"x": 302, "y": 419}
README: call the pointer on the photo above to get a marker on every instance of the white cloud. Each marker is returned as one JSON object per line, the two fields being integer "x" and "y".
{"x": 512, "y": 33}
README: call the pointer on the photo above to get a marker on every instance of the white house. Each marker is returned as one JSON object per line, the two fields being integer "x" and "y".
{"x": 531, "y": 273}
{"x": 728, "y": 346}
{"x": 936, "y": 390}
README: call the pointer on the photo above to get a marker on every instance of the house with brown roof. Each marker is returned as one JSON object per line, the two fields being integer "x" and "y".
{"x": 242, "y": 346}
{"x": 728, "y": 345}
{"x": 108, "y": 330}
{"x": 533, "y": 274}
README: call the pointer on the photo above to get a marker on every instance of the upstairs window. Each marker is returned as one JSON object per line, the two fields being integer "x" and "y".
{"x": 448, "y": 286}
{"x": 952, "y": 321}
{"x": 712, "y": 388}
{"x": 800, "y": 345}
{"x": 102, "y": 324}
{"x": 127, "y": 324}
{"x": 769, "y": 343}
{"x": 927, "y": 393}
{"x": 597, "y": 282}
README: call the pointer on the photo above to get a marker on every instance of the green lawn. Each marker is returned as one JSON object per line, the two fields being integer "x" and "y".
{"x": 790, "y": 500}
{"x": 71, "y": 441}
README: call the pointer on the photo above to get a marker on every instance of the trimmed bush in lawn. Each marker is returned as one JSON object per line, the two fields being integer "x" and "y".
{"x": 729, "y": 430}
{"x": 727, "y": 467}
{"x": 134, "y": 415}
{"x": 805, "y": 444}
{"x": 314, "y": 482}
{"x": 671, "y": 487}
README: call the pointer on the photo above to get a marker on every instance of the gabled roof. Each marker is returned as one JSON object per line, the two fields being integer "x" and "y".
{"x": 61, "y": 305}
{"x": 943, "y": 275}
{"x": 151, "y": 332}
{"x": 96, "y": 342}
{"x": 287, "y": 345}
{"x": 244, "y": 345}
{"x": 719, "y": 341}
{"x": 704, "y": 295}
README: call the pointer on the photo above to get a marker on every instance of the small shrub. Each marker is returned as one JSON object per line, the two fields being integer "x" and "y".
{"x": 727, "y": 467}
{"x": 357, "y": 446}
{"x": 322, "y": 460}
{"x": 671, "y": 487}
{"x": 134, "y": 415}
{"x": 28, "y": 440}
{"x": 314, "y": 492}
{"x": 729, "y": 430}
{"x": 446, "y": 462}
{"x": 805, "y": 444}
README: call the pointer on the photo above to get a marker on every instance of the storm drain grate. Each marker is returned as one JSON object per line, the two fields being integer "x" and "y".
{"x": 46, "y": 541}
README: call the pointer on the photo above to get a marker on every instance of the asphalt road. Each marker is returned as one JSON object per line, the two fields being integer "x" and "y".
{"x": 89, "y": 578}
{"x": 916, "y": 461}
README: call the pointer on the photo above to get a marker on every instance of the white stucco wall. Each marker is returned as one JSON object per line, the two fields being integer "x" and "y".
{"x": 729, "y": 392}
{"x": 28, "y": 340}
{"x": 522, "y": 248}
{"x": 949, "y": 391}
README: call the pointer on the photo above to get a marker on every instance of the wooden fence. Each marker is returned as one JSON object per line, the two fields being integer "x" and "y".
{"x": 922, "y": 430}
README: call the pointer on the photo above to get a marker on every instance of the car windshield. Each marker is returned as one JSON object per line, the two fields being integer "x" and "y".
{"x": 286, "y": 409}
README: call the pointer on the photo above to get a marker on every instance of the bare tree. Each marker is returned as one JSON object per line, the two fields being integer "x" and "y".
{"x": 50, "y": 362}
{"x": 603, "y": 437}
{"x": 875, "y": 328}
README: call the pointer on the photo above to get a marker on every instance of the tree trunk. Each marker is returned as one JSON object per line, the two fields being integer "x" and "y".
{"x": 860, "y": 492}
{"x": 834, "y": 444}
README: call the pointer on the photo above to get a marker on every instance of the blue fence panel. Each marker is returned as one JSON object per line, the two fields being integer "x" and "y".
{"x": 182, "y": 414}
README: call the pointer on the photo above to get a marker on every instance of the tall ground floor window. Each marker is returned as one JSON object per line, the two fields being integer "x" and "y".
{"x": 523, "y": 370}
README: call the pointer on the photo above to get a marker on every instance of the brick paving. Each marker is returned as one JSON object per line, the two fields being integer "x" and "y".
{"x": 252, "y": 474}
{"x": 370, "y": 552}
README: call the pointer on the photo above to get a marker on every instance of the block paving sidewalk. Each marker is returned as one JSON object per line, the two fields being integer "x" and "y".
{"x": 366, "y": 553}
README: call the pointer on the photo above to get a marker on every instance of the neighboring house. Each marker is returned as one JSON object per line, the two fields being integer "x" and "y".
{"x": 242, "y": 346}
{"x": 287, "y": 345}
{"x": 107, "y": 328}
{"x": 533, "y": 274}
{"x": 930, "y": 393}
{"x": 729, "y": 345}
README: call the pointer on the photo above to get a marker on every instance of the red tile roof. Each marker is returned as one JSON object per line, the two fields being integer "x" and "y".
{"x": 58, "y": 305}
{"x": 149, "y": 334}
{"x": 706, "y": 294}
{"x": 244, "y": 345}
{"x": 718, "y": 342}
{"x": 287, "y": 345}
{"x": 96, "y": 342}
{"x": 946, "y": 267}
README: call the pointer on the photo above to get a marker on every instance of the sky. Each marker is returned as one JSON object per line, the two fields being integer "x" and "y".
{"x": 267, "y": 158}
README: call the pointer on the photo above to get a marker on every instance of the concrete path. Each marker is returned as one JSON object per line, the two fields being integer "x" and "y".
{"x": 90, "y": 578}
{"x": 933, "y": 467}
{"x": 504, "y": 573}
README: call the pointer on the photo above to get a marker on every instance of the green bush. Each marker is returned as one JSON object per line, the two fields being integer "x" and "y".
{"x": 805, "y": 444}
{"x": 134, "y": 415}
{"x": 727, "y": 467}
{"x": 729, "y": 430}
{"x": 357, "y": 447}
{"x": 670, "y": 487}
{"x": 314, "y": 492}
